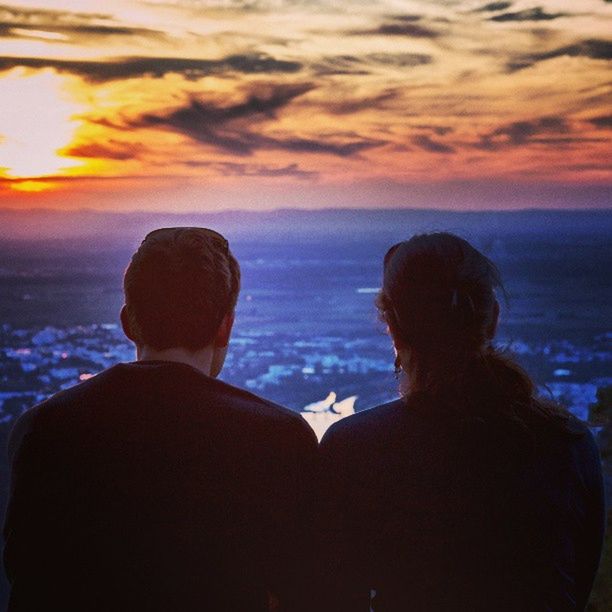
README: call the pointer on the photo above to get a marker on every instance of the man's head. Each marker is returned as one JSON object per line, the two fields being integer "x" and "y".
{"x": 181, "y": 289}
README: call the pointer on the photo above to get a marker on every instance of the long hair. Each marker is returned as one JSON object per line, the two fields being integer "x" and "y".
{"x": 438, "y": 300}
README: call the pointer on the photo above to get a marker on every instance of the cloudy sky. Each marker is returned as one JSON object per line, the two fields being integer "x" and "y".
{"x": 212, "y": 104}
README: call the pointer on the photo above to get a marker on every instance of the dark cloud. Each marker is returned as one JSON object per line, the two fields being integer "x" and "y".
{"x": 440, "y": 130}
{"x": 353, "y": 65}
{"x": 592, "y": 48}
{"x": 532, "y": 14}
{"x": 493, "y": 6}
{"x": 520, "y": 131}
{"x": 400, "y": 60}
{"x": 354, "y": 105}
{"x": 406, "y": 18}
{"x": 112, "y": 149}
{"x": 565, "y": 140}
{"x": 411, "y": 30}
{"x": 229, "y": 128}
{"x": 340, "y": 64}
{"x": 156, "y": 67}
{"x": 6, "y": 31}
{"x": 237, "y": 169}
{"x": 524, "y": 132}
{"x": 403, "y": 25}
{"x": 256, "y": 105}
{"x": 603, "y": 121}
{"x": 310, "y": 145}
{"x": 433, "y": 146}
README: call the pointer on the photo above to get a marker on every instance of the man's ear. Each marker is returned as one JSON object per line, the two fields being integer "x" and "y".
{"x": 125, "y": 323}
{"x": 225, "y": 330}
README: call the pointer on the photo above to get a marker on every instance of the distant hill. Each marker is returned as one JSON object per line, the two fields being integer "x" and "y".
{"x": 105, "y": 227}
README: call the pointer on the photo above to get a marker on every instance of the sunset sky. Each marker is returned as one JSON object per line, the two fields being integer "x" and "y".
{"x": 186, "y": 105}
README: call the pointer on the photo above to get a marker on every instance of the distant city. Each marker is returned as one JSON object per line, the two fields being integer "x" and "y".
{"x": 306, "y": 324}
{"x": 292, "y": 370}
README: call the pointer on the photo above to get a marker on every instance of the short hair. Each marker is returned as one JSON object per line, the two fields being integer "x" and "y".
{"x": 179, "y": 285}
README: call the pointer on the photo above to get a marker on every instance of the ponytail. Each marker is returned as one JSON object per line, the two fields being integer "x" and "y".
{"x": 501, "y": 385}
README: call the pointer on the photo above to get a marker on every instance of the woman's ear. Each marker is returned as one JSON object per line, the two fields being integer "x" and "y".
{"x": 396, "y": 337}
{"x": 398, "y": 341}
{"x": 492, "y": 330}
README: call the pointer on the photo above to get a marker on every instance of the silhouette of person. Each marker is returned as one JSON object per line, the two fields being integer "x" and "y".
{"x": 153, "y": 485}
{"x": 469, "y": 493}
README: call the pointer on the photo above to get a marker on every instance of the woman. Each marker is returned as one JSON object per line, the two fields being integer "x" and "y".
{"x": 468, "y": 493}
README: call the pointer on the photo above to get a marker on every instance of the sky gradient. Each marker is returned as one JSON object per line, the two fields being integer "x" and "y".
{"x": 189, "y": 105}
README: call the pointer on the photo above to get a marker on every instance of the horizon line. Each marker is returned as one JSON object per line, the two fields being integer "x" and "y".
{"x": 300, "y": 209}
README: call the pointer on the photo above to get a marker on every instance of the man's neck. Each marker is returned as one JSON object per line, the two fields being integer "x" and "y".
{"x": 201, "y": 359}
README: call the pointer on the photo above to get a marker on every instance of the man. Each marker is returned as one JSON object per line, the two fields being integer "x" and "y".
{"x": 154, "y": 486}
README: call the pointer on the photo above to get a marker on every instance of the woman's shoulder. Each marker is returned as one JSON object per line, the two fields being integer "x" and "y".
{"x": 399, "y": 416}
{"x": 582, "y": 443}
{"x": 368, "y": 424}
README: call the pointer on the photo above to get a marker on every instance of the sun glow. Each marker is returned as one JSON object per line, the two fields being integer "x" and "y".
{"x": 36, "y": 122}
{"x": 31, "y": 186}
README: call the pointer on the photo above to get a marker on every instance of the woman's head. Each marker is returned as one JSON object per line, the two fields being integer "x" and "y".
{"x": 438, "y": 300}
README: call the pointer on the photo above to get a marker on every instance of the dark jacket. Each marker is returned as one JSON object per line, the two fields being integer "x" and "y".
{"x": 155, "y": 487}
{"x": 429, "y": 511}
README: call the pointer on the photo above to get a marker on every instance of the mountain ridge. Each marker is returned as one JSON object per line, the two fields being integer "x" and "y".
{"x": 40, "y": 223}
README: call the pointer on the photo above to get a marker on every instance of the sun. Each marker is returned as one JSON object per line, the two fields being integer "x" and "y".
{"x": 37, "y": 120}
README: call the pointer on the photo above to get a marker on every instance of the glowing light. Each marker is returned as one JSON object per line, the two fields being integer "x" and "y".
{"x": 36, "y": 121}
{"x": 31, "y": 186}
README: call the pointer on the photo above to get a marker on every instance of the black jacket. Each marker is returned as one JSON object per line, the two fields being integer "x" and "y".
{"x": 429, "y": 511}
{"x": 155, "y": 487}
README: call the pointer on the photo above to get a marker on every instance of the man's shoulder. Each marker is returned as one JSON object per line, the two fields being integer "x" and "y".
{"x": 68, "y": 407}
{"x": 245, "y": 408}
{"x": 259, "y": 406}
{"x": 200, "y": 390}
{"x": 57, "y": 406}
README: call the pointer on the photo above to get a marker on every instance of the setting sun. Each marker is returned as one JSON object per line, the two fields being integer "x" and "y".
{"x": 37, "y": 121}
